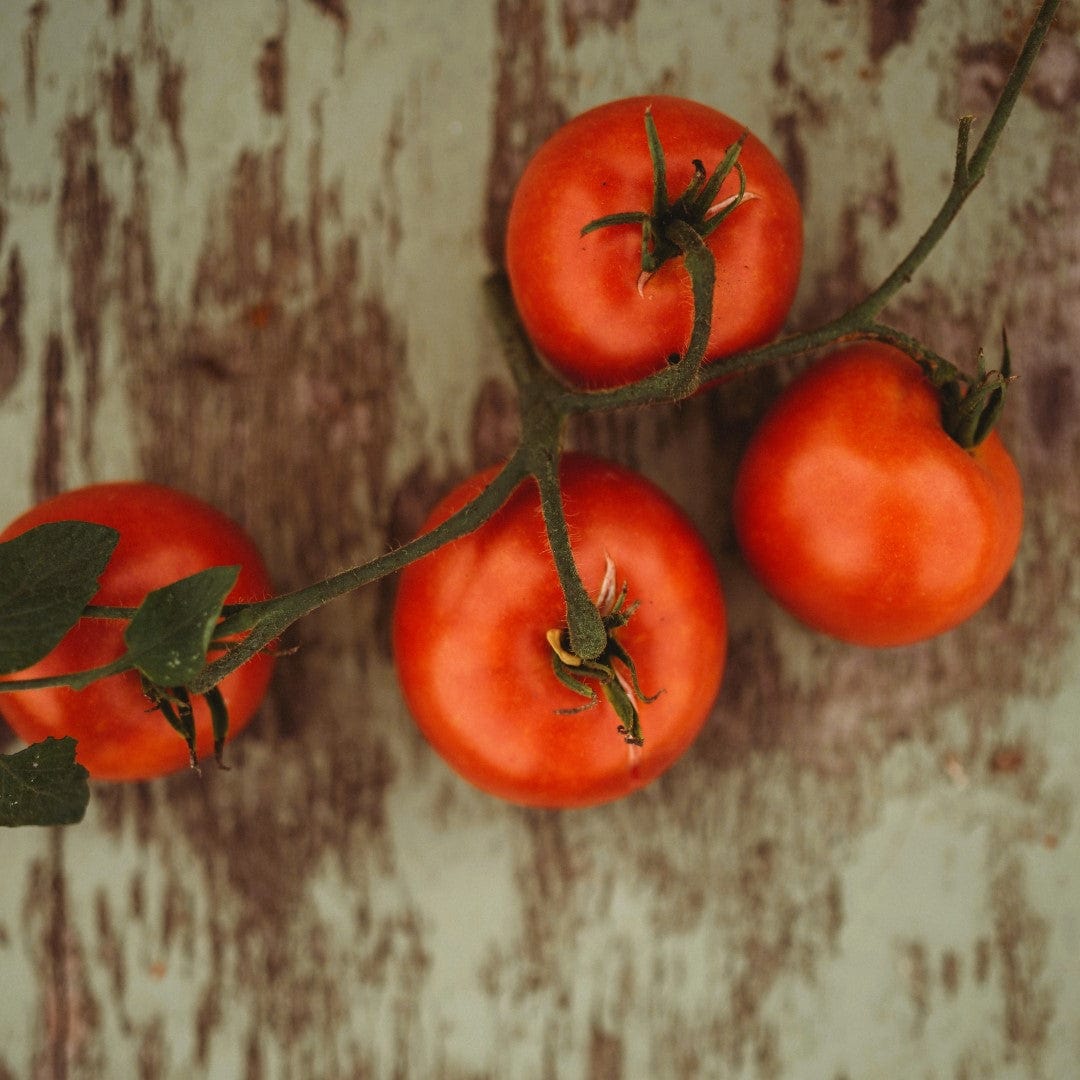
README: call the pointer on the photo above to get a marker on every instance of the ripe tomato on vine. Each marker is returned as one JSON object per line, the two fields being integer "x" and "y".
{"x": 486, "y": 670}
{"x": 594, "y": 312}
{"x": 165, "y": 535}
{"x": 862, "y": 516}
{"x": 652, "y": 234}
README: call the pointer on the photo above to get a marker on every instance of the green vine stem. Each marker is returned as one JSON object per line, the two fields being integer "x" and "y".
{"x": 77, "y": 680}
{"x": 547, "y": 404}
{"x": 268, "y": 620}
{"x": 264, "y": 621}
{"x": 859, "y": 321}
{"x": 588, "y": 634}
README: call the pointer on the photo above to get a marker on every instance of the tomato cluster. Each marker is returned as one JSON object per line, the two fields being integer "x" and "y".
{"x": 852, "y": 505}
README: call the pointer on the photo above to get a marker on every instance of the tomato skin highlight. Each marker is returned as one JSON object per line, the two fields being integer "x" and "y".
{"x": 578, "y": 296}
{"x": 165, "y": 535}
{"x": 861, "y": 516}
{"x": 475, "y": 666}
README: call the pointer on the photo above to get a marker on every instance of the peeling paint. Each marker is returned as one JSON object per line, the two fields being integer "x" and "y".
{"x": 333, "y": 9}
{"x": 53, "y": 426}
{"x": 36, "y": 14}
{"x": 579, "y": 16}
{"x": 84, "y": 216}
{"x": 1020, "y": 942}
{"x": 271, "y": 71}
{"x": 526, "y": 111}
{"x": 170, "y": 103}
{"x": 1054, "y": 83}
{"x": 12, "y": 340}
{"x": 791, "y": 152}
{"x": 273, "y": 285}
{"x": 119, "y": 89}
{"x": 892, "y": 22}
{"x": 69, "y": 1043}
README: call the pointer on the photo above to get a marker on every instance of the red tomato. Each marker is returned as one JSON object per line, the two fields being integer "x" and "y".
{"x": 475, "y": 665}
{"x": 578, "y": 296}
{"x": 861, "y": 516}
{"x": 165, "y": 535}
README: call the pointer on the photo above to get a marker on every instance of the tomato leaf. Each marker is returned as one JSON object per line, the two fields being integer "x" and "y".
{"x": 169, "y": 635}
{"x": 47, "y": 576}
{"x": 43, "y": 785}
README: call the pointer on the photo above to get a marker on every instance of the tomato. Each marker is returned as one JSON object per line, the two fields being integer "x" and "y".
{"x": 476, "y": 667}
{"x": 578, "y": 296}
{"x": 862, "y": 516}
{"x": 165, "y": 535}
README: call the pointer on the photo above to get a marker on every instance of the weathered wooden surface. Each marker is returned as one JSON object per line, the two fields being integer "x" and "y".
{"x": 240, "y": 252}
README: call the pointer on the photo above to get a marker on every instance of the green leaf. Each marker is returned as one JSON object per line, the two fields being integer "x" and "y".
{"x": 169, "y": 635}
{"x": 47, "y": 576}
{"x": 43, "y": 785}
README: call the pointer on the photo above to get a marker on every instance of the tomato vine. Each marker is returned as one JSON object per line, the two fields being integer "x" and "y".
{"x": 670, "y": 230}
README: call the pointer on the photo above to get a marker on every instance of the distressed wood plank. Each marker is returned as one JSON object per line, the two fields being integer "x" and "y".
{"x": 240, "y": 252}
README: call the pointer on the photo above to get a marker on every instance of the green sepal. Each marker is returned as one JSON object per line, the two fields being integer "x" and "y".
{"x": 219, "y": 720}
{"x": 602, "y": 669}
{"x": 630, "y": 217}
{"x": 689, "y": 209}
{"x": 970, "y": 413}
{"x": 174, "y": 704}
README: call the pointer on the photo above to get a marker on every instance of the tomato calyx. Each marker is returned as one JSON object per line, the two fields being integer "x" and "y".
{"x": 174, "y": 704}
{"x": 970, "y": 409}
{"x": 613, "y": 669}
{"x": 696, "y": 207}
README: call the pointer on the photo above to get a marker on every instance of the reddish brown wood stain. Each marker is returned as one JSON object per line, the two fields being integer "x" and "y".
{"x": 334, "y": 9}
{"x": 271, "y": 70}
{"x": 271, "y": 287}
{"x": 119, "y": 91}
{"x": 274, "y": 389}
{"x": 53, "y": 424}
{"x": 35, "y": 16}
{"x": 1021, "y": 941}
{"x": 525, "y": 110}
{"x": 12, "y": 302}
{"x": 892, "y": 22}
{"x": 579, "y": 16}
{"x": 169, "y": 98}
{"x": 84, "y": 216}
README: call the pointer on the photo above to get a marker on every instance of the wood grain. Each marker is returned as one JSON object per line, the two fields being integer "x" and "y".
{"x": 241, "y": 249}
